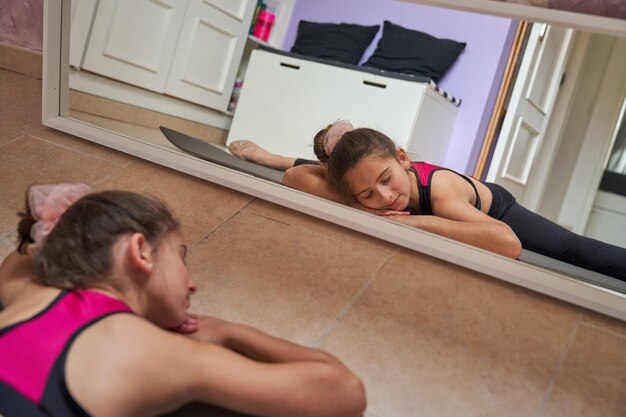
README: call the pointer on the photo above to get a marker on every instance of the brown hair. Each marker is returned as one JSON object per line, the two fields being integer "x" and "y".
{"x": 78, "y": 251}
{"x": 318, "y": 144}
{"x": 351, "y": 149}
{"x": 23, "y": 227}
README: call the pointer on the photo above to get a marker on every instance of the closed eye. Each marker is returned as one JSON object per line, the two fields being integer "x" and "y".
{"x": 183, "y": 253}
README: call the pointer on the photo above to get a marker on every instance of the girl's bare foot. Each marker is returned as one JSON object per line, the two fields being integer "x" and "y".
{"x": 252, "y": 152}
{"x": 244, "y": 149}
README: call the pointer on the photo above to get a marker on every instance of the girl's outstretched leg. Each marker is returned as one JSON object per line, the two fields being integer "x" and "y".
{"x": 543, "y": 236}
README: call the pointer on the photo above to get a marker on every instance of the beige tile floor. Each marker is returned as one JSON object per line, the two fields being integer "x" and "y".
{"x": 427, "y": 337}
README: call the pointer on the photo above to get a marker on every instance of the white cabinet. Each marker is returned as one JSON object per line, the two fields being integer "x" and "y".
{"x": 186, "y": 49}
{"x": 286, "y": 100}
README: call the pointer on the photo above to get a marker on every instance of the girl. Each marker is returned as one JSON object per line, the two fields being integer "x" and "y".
{"x": 363, "y": 168}
{"x": 86, "y": 337}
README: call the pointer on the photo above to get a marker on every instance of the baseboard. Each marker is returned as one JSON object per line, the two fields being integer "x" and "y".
{"x": 137, "y": 116}
{"x": 21, "y": 60}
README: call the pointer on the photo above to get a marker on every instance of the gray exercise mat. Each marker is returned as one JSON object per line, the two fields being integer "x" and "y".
{"x": 212, "y": 153}
{"x": 573, "y": 271}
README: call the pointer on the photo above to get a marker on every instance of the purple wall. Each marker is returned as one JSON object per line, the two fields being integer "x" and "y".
{"x": 475, "y": 77}
{"x": 21, "y": 23}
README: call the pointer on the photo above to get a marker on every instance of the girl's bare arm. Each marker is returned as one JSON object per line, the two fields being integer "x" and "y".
{"x": 491, "y": 235}
{"x": 254, "y": 343}
{"x": 313, "y": 180}
{"x": 456, "y": 217}
{"x": 155, "y": 372}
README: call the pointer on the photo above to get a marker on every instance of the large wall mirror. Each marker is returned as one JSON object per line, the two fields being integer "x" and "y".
{"x": 112, "y": 78}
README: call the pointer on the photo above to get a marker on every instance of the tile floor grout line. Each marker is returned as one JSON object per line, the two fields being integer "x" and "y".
{"x": 269, "y": 217}
{"x": 265, "y": 216}
{"x": 603, "y": 329}
{"x": 80, "y": 152}
{"x": 559, "y": 366}
{"x": 110, "y": 174}
{"x": 132, "y": 161}
{"x": 13, "y": 140}
{"x": 219, "y": 226}
{"x": 4, "y": 236}
{"x": 21, "y": 74}
{"x": 333, "y": 324}
{"x": 336, "y": 239}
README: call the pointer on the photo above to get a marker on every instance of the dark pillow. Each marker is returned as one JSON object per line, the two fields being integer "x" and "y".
{"x": 414, "y": 52}
{"x": 343, "y": 42}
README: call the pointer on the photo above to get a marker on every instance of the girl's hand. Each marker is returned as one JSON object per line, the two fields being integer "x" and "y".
{"x": 408, "y": 220}
{"x": 379, "y": 212}
{"x": 210, "y": 329}
{"x": 387, "y": 213}
{"x": 190, "y": 325}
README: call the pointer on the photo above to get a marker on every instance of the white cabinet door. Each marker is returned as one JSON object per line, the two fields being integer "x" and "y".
{"x": 209, "y": 50}
{"x": 134, "y": 41}
{"x": 236, "y": 9}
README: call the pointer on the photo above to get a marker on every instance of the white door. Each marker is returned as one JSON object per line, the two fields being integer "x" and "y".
{"x": 134, "y": 41}
{"x": 522, "y": 138}
{"x": 209, "y": 51}
{"x": 597, "y": 142}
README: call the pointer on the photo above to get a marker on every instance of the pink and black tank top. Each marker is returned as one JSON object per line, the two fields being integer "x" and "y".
{"x": 424, "y": 173}
{"x": 501, "y": 199}
{"x": 33, "y": 353}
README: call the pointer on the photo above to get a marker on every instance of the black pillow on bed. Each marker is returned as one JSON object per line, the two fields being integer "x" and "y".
{"x": 414, "y": 52}
{"x": 343, "y": 42}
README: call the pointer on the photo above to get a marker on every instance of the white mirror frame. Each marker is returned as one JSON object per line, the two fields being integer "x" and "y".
{"x": 585, "y": 22}
{"x": 55, "y": 96}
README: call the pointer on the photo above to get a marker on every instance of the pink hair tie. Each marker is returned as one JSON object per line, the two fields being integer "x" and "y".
{"x": 48, "y": 202}
{"x": 334, "y": 133}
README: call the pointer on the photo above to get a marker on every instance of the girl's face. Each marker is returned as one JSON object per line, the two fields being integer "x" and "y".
{"x": 172, "y": 282}
{"x": 381, "y": 181}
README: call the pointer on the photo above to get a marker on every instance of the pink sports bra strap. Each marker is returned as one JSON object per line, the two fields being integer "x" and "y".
{"x": 423, "y": 170}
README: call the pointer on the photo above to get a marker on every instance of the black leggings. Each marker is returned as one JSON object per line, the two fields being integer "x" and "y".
{"x": 545, "y": 237}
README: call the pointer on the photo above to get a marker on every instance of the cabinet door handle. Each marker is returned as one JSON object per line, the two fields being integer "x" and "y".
{"x": 292, "y": 66}
{"x": 374, "y": 84}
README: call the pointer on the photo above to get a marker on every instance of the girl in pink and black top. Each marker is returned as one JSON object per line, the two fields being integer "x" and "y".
{"x": 97, "y": 280}
{"x": 364, "y": 169}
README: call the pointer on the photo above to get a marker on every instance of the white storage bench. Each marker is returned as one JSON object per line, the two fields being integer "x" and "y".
{"x": 287, "y": 99}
